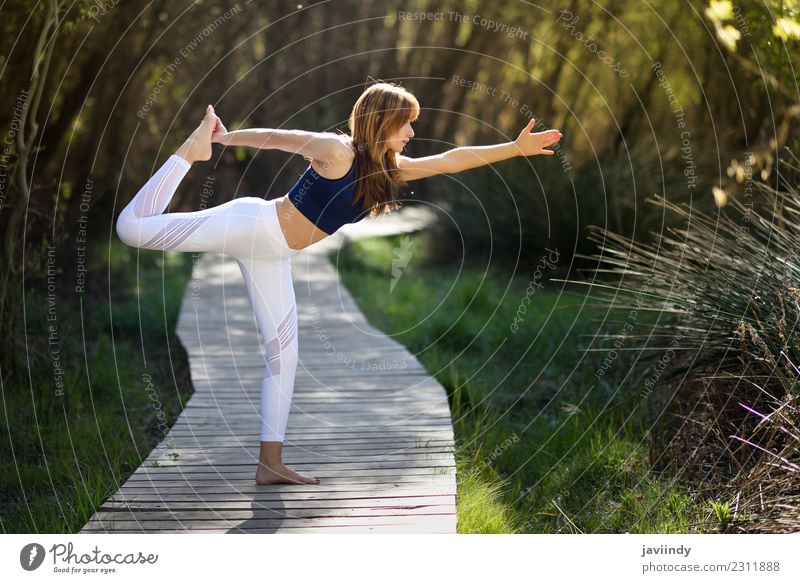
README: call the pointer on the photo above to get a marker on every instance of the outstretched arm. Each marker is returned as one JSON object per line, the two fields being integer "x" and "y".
{"x": 316, "y": 145}
{"x": 467, "y": 157}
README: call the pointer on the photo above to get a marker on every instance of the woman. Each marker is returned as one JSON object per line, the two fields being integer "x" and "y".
{"x": 348, "y": 178}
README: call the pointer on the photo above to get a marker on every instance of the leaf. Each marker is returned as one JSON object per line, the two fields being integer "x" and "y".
{"x": 719, "y": 10}
{"x": 729, "y": 35}
{"x": 786, "y": 28}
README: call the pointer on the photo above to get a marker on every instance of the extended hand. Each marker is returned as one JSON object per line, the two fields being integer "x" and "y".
{"x": 218, "y": 136}
{"x": 532, "y": 144}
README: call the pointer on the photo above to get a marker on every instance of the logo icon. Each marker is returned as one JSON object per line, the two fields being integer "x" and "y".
{"x": 31, "y": 556}
{"x": 402, "y": 256}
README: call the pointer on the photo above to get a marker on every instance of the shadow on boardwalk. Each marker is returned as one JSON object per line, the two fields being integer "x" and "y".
{"x": 366, "y": 418}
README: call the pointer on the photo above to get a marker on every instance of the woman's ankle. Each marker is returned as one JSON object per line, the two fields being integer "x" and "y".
{"x": 183, "y": 152}
{"x": 271, "y": 465}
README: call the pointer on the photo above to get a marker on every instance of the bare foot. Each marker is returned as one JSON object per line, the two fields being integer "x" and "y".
{"x": 198, "y": 145}
{"x": 280, "y": 474}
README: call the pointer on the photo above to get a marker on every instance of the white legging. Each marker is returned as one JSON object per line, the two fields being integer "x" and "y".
{"x": 247, "y": 229}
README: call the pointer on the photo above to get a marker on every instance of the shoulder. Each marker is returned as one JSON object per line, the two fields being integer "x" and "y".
{"x": 338, "y": 159}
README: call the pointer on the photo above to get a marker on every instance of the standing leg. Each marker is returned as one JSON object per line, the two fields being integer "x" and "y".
{"x": 269, "y": 285}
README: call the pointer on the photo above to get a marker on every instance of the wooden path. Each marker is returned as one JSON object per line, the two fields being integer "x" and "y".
{"x": 366, "y": 419}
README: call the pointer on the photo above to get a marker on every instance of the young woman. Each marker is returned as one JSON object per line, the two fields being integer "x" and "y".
{"x": 348, "y": 178}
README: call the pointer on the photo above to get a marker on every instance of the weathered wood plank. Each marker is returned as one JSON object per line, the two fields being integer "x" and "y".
{"x": 424, "y": 485}
{"x": 295, "y": 508}
{"x": 325, "y": 493}
{"x": 268, "y": 514}
{"x": 326, "y": 525}
{"x": 241, "y": 457}
{"x": 321, "y": 443}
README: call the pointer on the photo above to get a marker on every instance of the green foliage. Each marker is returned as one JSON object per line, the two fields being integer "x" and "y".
{"x": 703, "y": 276}
{"x": 722, "y": 512}
{"x": 72, "y": 445}
{"x": 727, "y": 285}
{"x": 534, "y": 445}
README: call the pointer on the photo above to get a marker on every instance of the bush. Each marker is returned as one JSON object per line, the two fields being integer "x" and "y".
{"x": 728, "y": 289}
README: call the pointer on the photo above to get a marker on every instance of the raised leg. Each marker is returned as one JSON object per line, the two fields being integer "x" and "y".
{"x": 237, "y": 227}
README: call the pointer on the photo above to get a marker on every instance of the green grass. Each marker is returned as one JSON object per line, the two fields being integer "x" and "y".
{"x": 65, "y": 453}
{"x": 541, "y": 447}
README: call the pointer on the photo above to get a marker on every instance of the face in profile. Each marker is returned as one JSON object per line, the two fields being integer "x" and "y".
{"x": 398, "y": 139}
{"x": 382, "y": 118}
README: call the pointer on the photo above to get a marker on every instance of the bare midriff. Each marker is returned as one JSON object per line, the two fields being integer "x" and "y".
{"x": 298, "y": 230}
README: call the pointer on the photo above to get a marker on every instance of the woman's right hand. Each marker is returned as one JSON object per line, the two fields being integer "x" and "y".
{"x": 530, "y": 144}
{"x": 220, "y": 133}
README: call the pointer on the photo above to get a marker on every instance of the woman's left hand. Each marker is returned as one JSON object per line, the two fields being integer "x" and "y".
{"x": 219, "y": 133}
{"x": 532, "y": 144}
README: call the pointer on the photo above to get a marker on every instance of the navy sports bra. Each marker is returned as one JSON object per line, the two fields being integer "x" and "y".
{"x": 327, "y": 203}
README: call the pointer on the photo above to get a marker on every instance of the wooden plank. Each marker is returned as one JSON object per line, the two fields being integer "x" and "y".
{"x": 171, "y": 504}
{"x": 366, "y": 419}
{"x": 249, "y": 434}
{"x": 408, "y": 524}
{"x": 306, "y": 422}
{"x": 183, "y": 467}
{"x": 323, "y": 442}
{"x": 327, "y": 493}
{"x": 268, "y": 514}
{"x": 320, "y": 470}
{"x": 345, "y": 410}
{"x": 377, "y": 475}
{"x": 197, "y": 447}
{"x": 296, "y": 455}
{"x": 423, "y": 486}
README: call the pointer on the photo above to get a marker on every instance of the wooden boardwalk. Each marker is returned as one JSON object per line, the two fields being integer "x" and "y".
{"x": 366, "y": 419}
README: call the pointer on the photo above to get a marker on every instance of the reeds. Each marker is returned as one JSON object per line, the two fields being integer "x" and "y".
{"x": 727, "y": 291}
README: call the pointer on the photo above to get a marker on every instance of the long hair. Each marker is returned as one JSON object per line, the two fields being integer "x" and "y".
{"x": 380, "y": 111}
